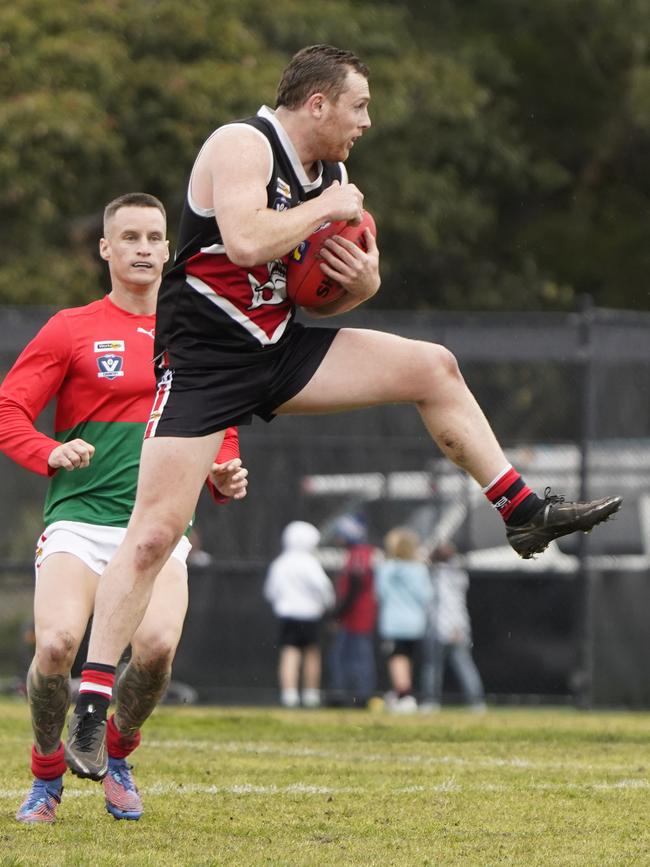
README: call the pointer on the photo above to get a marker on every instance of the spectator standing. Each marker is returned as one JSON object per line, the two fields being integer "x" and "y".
{"x": 300, "y": 594}
{"x": 449, "y": 635}
{"x": 404, "y": 592}
{"x": 352, "y": 655}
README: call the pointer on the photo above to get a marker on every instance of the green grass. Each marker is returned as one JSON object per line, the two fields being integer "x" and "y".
{"x": 233, "y": 786}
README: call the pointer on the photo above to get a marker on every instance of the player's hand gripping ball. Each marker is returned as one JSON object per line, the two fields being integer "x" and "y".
{"x": 307, "y": 285}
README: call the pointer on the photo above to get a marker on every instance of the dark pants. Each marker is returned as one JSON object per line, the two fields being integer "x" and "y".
{"x": 352, "y": 666}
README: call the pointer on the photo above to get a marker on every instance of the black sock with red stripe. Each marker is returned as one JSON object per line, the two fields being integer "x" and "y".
{"x": 96, "y": 687}
{"x": 512, "y": 498}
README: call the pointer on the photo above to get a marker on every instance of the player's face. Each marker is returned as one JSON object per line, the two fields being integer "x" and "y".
{"x": 345, "y": 120}
{"x": 135, "y": 246}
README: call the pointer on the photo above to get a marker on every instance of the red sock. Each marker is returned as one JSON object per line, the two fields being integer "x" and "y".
{"x": 48, "y": 767}
{"x": 508, "y": 492}
{"x": 119, "y": 747}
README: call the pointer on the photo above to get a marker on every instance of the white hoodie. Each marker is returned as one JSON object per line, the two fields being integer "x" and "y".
{"x": 297, "y": 586}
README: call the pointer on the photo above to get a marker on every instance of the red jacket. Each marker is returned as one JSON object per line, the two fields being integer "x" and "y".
{"x": 356, "y": 608}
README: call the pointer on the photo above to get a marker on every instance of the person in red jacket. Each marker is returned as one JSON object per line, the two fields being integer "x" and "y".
{"x": 96, "y": 361}
{"x": 352, "y": 657}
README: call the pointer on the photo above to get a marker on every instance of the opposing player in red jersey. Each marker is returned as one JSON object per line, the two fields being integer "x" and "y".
{"x": 97, "y": 361}
{"x": 228, "y": 347}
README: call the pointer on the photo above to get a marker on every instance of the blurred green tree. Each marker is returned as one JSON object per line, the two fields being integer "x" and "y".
{"x": 505, "y": 165}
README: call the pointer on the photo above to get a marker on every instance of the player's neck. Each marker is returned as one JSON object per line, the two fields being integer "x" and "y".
{"x": 140, "y": 300}
{"x": 293, "y": 125}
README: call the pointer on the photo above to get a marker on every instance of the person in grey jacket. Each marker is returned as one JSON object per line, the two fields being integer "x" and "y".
{"x": 449, "y": 635}
{"x": 404, "y": 592}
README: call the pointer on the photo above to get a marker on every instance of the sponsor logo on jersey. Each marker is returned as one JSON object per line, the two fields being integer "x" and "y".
{"x": 281, "y": 204}
{"x": 109, "y": 346}
{"x": 283, "y": 188}
{"x": 110, "y": 366}
{"x": 149, "y": 333}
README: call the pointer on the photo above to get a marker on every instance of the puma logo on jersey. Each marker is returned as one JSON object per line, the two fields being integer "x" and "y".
{"x": 110, "y": 366}
{"x": 149, "y": 333}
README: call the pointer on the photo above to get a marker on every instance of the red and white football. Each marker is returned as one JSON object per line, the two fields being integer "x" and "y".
{"x": 307, "y": 285}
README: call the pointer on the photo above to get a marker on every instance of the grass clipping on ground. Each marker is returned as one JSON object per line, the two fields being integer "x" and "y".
{"x": 246, "y": 787}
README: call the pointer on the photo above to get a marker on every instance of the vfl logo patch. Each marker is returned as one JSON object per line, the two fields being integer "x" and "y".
{"x": 110, "y": 366}
{"x": 109, "y": 346}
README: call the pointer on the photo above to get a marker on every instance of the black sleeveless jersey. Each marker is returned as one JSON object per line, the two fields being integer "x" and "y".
{"x": 211, "y": 310}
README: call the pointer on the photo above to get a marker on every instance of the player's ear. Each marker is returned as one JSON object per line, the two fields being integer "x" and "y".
{"x": 167, "y": 251}
{"x": 316, "y": 104}
{"x": 105, "y": 250}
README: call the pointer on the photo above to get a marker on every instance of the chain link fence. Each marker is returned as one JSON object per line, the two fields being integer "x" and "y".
{"x": 567, "y": 397}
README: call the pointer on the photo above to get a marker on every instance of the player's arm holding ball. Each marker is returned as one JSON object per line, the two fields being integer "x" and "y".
{"x": 231, "y": 176}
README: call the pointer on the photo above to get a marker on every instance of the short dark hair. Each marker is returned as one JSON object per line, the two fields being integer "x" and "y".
{"x": 138, "y": 200}
{"x": 317, "y": 68}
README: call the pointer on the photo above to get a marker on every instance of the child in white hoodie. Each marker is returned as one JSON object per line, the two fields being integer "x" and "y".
{"x": 300, "y": 594}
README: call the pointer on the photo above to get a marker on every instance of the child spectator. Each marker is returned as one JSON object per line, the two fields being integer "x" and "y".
{"x": 404, "y": 591}
{"x": 300, "y": 593}
{"x": 449, "y": 634}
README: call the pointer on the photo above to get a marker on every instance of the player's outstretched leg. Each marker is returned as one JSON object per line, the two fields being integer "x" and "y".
{"x": 392, "y": 369}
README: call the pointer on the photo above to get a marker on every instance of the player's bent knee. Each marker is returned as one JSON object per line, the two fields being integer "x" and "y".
{"x": 55, "y": 652}
{"x": 155, "y": 545}
{"x": 438, "y": 369}
{"x": 444, "y": 361}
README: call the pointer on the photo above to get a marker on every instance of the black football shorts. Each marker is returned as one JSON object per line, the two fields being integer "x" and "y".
{"x": 192, "y": 402}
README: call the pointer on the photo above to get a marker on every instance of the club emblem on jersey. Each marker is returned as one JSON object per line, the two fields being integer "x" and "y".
{"x": 274, "y": 291}
{"x": 110, "y": 366}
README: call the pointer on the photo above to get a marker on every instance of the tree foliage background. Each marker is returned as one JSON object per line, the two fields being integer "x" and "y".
{"x": 506, "y": 167}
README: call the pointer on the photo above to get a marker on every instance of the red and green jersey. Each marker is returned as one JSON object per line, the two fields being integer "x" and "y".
{"x": 97, "y": 362}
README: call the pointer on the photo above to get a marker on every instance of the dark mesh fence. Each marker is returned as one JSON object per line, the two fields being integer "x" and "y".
{"x": 567, "y": 397}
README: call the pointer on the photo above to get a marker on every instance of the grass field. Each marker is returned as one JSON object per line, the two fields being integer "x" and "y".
{"x": 248, "y": 786}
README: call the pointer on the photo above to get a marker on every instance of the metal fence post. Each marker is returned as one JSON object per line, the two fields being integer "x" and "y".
{"x": 584, "y": 674}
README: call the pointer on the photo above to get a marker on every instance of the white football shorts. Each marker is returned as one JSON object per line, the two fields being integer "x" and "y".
{"x": 91, "y": 543}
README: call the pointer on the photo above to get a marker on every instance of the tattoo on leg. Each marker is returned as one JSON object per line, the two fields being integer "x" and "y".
{"x": 138, "y": 692}
{"x": 49, "y": 699}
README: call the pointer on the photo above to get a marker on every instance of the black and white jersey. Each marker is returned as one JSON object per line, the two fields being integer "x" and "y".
{"x": 208, "y": 307}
